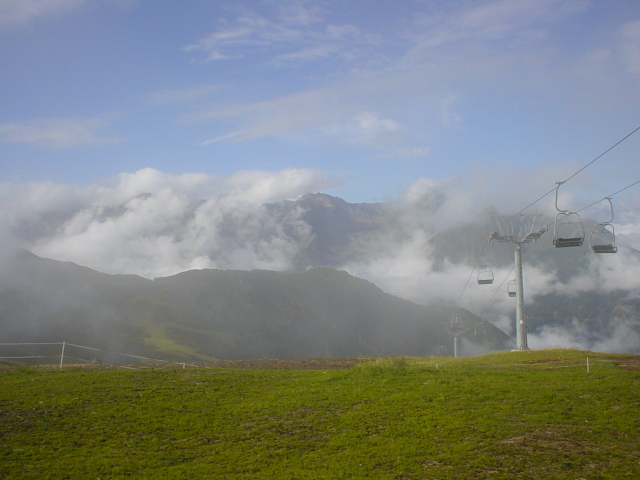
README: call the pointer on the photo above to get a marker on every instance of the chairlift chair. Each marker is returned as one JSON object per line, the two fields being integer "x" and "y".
{"x": 603, "y": 236}
{"x": 598, "y": 240}
{"x": 511, "y": 288}
{"x": 568, "y": 229}
{"x": 457, "y": 327}
{"x": 485, "y": 276}
{"x": 480, "y": 329}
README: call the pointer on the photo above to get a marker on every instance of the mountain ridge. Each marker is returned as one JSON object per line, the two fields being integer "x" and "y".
{"x": 220, "y": 314}
{"x": 326, "y": 231}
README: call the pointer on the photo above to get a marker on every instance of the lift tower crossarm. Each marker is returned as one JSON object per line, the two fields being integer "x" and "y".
{"x": 531, "y": 237}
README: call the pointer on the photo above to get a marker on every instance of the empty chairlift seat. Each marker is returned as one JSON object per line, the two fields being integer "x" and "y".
{"x": 485, "y": 276}
{"x": 456, "y": 328}
{"x": 603, "y": 239}
{"x": 568, "y": 230}
{"x": 480, "y": 329}
{"x": 603, "y": 236}
{"x": 511, "y": 288}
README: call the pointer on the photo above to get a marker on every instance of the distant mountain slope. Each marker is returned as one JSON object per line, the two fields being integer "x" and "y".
{"x": 44, "y": 300}
{"x": 337, "y": 227}
{"x": 573, "y": 297}
{"x": 583, "y": 301}
{"x": 319, "y": 312}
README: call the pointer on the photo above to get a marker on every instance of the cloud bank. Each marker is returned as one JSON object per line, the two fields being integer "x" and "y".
{"x": 155, "y": 224}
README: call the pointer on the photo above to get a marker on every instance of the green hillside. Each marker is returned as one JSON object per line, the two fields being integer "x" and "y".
{"x": 319, "y": 312}
{"x": 216, "y": 314}
{"x": 533, "y": 415}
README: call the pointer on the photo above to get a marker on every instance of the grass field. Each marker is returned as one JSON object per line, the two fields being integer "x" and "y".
{"x": 530, "y": 415}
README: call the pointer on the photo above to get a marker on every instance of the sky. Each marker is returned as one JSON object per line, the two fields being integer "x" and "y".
{"x": 144, "y": 136}
{"x": 372, "y": 96}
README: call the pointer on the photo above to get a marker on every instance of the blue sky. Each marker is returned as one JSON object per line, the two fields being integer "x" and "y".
{"x": 373, "y": 95}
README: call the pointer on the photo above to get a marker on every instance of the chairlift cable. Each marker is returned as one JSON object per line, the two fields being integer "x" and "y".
{"x": 608, "y": 196}
{"x": 581, "y": 169}
{"x": 500, "y": 286}
{"x": 533, "y": 203}
{"x": 549, "y": 193}
{"x": 602, "y": 154}
{"x": 477, "y": 265}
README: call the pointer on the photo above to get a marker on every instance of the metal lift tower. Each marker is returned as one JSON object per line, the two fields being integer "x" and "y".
{"x": 518, "y": 241}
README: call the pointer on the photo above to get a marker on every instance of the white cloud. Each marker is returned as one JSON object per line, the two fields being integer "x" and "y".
{"x": 621, "y": 339}
{"x": 424, "y": 81}
{"x": 368, "y": 129}
{"x": 283, "y": 116}
{"x": 58, "y": 133}
{"x": 606, "y": 273}
{"x": 628, "y": 233}
{"x": 219, "y": 138}
{"x": 156, "y": 224}
{"x": 247, "y": 34}
{"x": 334, "y": 113}
{"x": 630, "y": 33}
{"x": 258, "y": 187}
{"x": 294, "y": 33}
{"x": 448, "y": 115}
{"x": 16, "y": 13}
{"x": 371, "y": 124}
{"x": 302, "y": 13}
{"x": 497, "y": 20}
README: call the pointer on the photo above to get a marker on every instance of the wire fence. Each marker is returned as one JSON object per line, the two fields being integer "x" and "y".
{"x": 61, "y": 353}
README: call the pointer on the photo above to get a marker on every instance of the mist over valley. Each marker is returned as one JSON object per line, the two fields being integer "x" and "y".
{"x": 170, "y": 269}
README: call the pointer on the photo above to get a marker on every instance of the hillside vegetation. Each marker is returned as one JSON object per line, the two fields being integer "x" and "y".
{"x": 533, "y": 415}
{"x": 221, "y": 314}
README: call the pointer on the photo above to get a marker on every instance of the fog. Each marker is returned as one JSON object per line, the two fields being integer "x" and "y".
{"x": 155, "y": 224}
{"x": 621, "y": 340}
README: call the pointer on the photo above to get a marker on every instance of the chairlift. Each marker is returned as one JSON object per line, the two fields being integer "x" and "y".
{"x": 485, "y": 276}
{"x": 511, "y": 288}
{"x": 603, "y": 236}
{"x": 456, "y": 328}
{"x": 480, "y": 329}
{"x": 441, "y": 351}
{"x": 568, "y": 230}
{"x": 603, "y": 239}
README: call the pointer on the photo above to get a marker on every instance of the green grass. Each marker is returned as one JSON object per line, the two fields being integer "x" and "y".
{"x": 530, "y": 415}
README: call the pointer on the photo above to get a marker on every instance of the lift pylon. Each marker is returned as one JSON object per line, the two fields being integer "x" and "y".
{"x": 518, "y": 240}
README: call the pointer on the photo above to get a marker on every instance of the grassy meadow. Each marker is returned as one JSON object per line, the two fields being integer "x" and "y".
{"x": 530, "y": 415}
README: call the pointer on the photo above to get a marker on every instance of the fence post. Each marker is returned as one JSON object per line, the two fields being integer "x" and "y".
{"x": 62, "y": 355}
{"x": 587, "y": 364}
